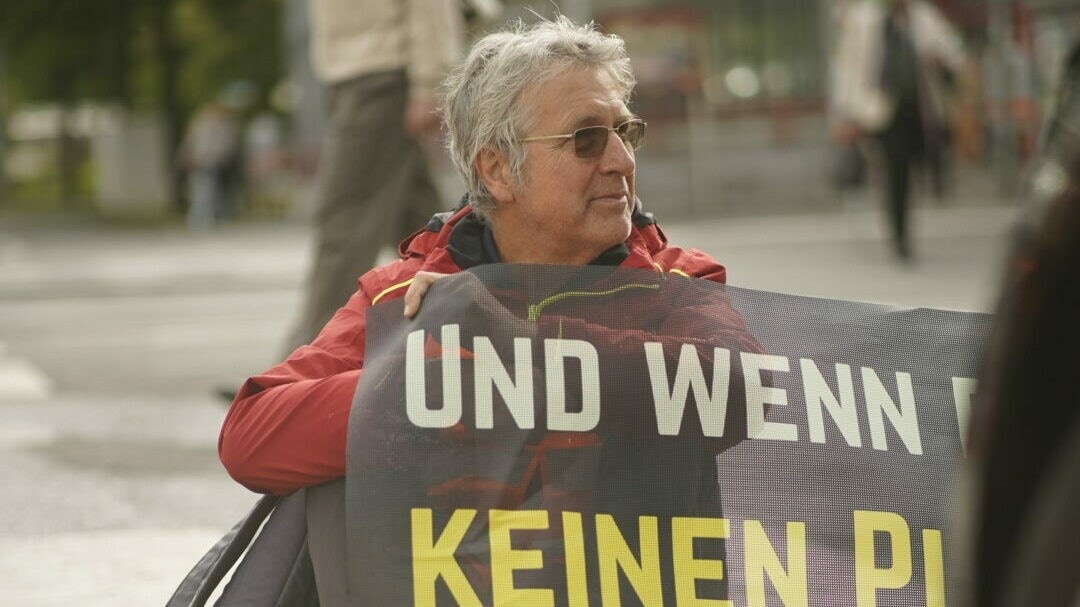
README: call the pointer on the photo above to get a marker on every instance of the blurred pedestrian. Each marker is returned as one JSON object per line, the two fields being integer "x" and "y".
{"x": 890, "y": 73}
{"x": 383, "y": 61}
{"x": 266, "y": 166}
{"x": 210, "y": 155}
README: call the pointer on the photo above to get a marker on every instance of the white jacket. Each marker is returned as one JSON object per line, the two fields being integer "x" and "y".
{"x": 351, "y": 38}
{"x": 856, "y": 93}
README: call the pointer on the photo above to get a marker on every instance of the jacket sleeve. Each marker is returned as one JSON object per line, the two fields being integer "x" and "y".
{"x": 287, "y": 427}
{"x": 436, "y": 34}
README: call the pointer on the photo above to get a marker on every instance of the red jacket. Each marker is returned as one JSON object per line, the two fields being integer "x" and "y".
{"x": 287, "y": 427}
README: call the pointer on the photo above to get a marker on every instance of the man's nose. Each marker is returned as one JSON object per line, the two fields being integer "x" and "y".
{"x": 617, "y": 156}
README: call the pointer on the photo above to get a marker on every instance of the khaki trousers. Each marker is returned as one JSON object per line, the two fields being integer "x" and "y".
{"x": 373, "y": 188}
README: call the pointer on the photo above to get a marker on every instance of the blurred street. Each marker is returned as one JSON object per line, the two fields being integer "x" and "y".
{"x": 112, "y": 341}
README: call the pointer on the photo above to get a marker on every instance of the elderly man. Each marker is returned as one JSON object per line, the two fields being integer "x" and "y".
{"x": 540, "y": 129}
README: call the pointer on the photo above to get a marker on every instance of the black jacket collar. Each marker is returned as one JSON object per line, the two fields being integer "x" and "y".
{"x": 471, "y": 244}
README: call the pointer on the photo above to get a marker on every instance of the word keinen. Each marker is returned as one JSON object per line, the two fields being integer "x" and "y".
{"x": 433, "y": 559}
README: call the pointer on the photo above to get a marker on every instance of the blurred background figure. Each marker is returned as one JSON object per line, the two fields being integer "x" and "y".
{"x": 266, "y": 165}
{"x": 1025, "y": 432}
{"x": 892, "y": 72}
{"x": 210, "y": 157}
{"x": 383, "y": 61}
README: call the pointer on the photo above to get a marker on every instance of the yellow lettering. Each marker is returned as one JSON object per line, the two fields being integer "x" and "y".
{"x": 869, "y": 577}
{"x": 574, "y": 546}
{"x": 760, "y": 558}
{"x": 432, "y": 559}
{"x": 687, "y": 568}
{"x": 933, "y": 564}
{"x": 614, "y": 554}
{"x": 504, "y": 559}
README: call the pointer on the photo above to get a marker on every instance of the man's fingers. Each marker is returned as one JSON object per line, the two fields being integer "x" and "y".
{"x": 421, "y": 116}
{"x": 414, "y": 296}
{"x": 419, "y": 286}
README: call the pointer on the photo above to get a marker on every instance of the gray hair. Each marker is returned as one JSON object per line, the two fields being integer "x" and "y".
{"x": 483, "y": 106}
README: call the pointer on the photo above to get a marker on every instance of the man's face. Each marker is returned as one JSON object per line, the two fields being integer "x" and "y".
{"x": 568, "y": 210}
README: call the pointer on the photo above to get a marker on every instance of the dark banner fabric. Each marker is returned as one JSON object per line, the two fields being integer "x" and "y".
{"x": 593, "y": 436}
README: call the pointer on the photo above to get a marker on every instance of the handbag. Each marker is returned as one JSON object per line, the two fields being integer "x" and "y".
{"x": 272, "y": 564}
{"x": 849, "y": 167}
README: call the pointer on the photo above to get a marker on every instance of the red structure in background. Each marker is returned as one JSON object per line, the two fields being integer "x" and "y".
{"x": 667, "y": 44}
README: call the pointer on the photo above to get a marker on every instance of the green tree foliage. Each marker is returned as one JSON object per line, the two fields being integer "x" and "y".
{"x": 62, "y": 50}
{"x": 226, "y": 41}
{"x": 163, "y": 55}
{"x": 112, "y": 49}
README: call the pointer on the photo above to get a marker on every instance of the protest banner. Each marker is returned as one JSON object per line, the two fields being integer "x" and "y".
{"x": 598, "y": 436}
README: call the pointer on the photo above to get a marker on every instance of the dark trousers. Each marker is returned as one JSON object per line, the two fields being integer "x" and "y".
{"x": 902, "y": 144}
{"x": 373, "y": 188}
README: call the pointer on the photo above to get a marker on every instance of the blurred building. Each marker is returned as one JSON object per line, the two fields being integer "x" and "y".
{"x": 735, "y": 95}
{"x": 734, "y": 92}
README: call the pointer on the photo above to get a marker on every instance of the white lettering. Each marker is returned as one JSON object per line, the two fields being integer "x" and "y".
{"x": 415, "y": 385}
{"x": 905, "y": 419}
{"x": 517, "y": 393}
{"x": 556, "y": 351}
{"x": 669, "y": 404}
{"x": 963, "y": 389}
{"x": 817, "y": 393}
{"x": 758, "y": 395}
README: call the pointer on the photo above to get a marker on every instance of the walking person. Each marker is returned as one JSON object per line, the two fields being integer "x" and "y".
{"x": 209, "y": 153}
{"x": 382, "y": 61}
{"x": 888, "y": 84}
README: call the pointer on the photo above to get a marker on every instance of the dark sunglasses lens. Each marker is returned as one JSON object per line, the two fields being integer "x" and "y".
{"x": 633, "y": 133}
{"x": 590, "y": 142}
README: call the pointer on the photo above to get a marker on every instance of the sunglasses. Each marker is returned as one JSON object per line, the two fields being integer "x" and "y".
{"x": 591, "y": 141}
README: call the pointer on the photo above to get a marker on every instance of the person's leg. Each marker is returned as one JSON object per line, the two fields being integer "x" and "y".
{"x": 221, "y": 193}
{"x": 937, "y": 162}
{"x": 897, "y": 178}
{"x": 901, "y": 142}
{"x": 363, "y": 179}
{"x": 232, "y": 190}
{"x": 201, "y": 195}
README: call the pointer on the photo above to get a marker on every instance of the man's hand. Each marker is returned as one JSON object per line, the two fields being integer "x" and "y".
{"x": 421, "y": 116}
{"x": 483, "y": 308}
{"x": 845, "y": 133}
{"x": 420, "y": 284}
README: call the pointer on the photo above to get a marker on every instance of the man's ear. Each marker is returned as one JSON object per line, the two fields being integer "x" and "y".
{"x": 495, "y": 173}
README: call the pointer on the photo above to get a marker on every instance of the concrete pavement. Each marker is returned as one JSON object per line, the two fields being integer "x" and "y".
{"x": 112, "y": 340}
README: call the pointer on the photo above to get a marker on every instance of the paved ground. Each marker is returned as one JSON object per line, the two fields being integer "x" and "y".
{"x": 111, "y": 341}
